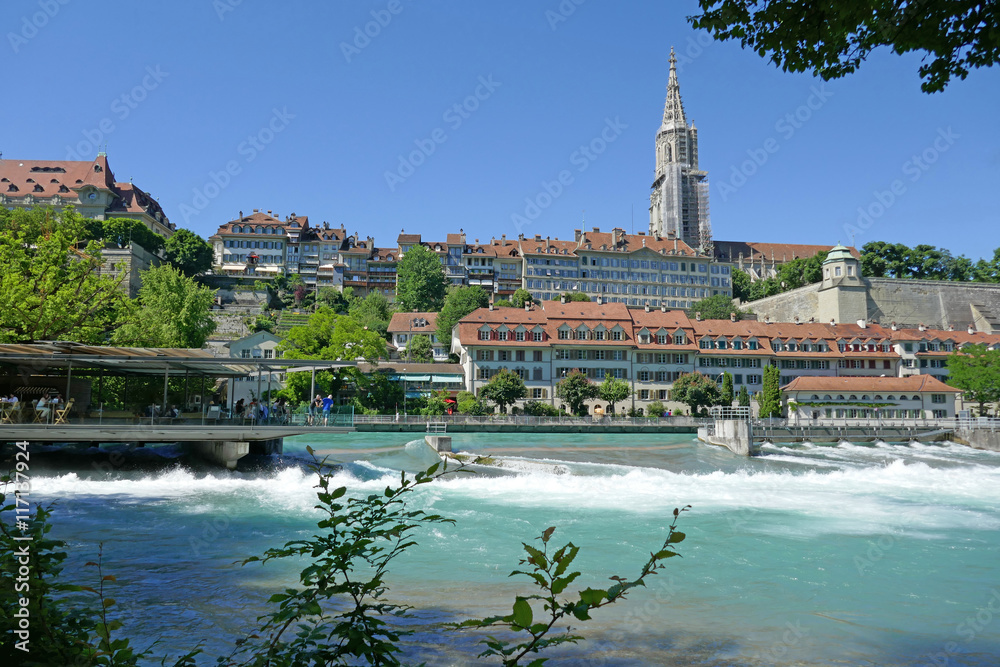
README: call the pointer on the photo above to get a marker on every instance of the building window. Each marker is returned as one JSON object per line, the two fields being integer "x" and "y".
{"x": 679, "y": 339}
{"x": 643, "y": 394}
{"x": 539, "y": 392}
{"x": 245, "y": 354}
{"x": 563, "y": 334}
{"x": 937, "y": 398}
{"x": 503, "y": 335}
{"x": 519, "y": 336}
{"x": 484, "y": 335}
{"x": 643, "y": 376}
{"x": 618, "y": 355}
{"x": 598, "y": 335}
{"x": 616, "y": 335}
{"x": 268, "y": 354}
{"x": 503, "y": 355}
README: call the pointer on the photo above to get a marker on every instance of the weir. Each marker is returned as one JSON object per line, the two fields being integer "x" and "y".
{"x": 743, "y": 436}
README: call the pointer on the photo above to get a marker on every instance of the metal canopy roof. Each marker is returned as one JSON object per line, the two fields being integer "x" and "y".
{"x": 48, "y": 356}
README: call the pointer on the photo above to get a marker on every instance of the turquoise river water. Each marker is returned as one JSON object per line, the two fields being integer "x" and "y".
{"x": 882, "y": 554}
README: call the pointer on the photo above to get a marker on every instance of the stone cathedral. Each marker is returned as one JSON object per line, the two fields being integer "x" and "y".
{"x": 678, "y": 201}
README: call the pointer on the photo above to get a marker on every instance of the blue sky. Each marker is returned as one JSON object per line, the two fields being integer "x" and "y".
{"x": 217, "y": 106}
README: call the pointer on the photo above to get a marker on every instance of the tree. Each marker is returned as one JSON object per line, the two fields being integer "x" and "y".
{"x": 171, "y": 310}
{"x": 327, "y": 335}
{"x": 576, "y": 390}
{"x": 696, "y": 391}
{"x": 372, "y": 312}
{"x": 718, "y": 307}
{"x": 459, "y": 303}
{"x": 420, "y": 349}
{"x": 832, "y": 39}
{"x": 614, "y": 390}
{"x": 576, "y": 296}
{"x": 420, "y": 281}
{"x": 468, "y": 404}
{"x": 726, "y": 396}
{"x": 503, "y": 303}
{"x": 520, "y": 297}
{"x": 51, "y": 282}
{"x": 655, "y": 409}
{"x": 190, "y": 253}
{"x": 742, "y": 285}
{"x": 339, "y": 301}
{"x": 504, "y": 388}
{"x": 120, "y": 232}
{"x": 975, "y": 370}
{"x": 744, "y": 397}
{"x": 769, "y": 403}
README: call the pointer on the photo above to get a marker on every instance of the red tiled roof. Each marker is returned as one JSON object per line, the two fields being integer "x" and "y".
{"x": 48, "y": 178}
{"x": 912, "y": 383}
{"x": 777, "y": 252}
{"x": 400, "y": 322}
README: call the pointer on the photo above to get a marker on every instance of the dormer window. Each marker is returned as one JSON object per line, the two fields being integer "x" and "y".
{"x": 679, "y": 339}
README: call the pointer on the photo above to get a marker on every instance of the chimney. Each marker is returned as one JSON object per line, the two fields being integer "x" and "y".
{"x": 893, "y": 326}
{"x": 796, "y": 319}
{"x": 732, "y": 317}
{"x": 862, "y": 324}
{"x": 697, "y": 316}
{"x": 576, "y": 235}
{"x": 971, "y": 330}
{"x": 921, "y": 327}
{"x": 527, "y": 306}
{"x": 647, "y": 307}
{"x": 812, "y": 320}
{"x": 833, "y": 322}
{"x": 600, "y": 300}
{"x": 951, "y": 327}
{"x": 663, "y": 307}
{"x": 241, "y": 215}
{"x": 597, "y": 230}
{"x": 491, "y": 306}
{"x": 562, "y": 298}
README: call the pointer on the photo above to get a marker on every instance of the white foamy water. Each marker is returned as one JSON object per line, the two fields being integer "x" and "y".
{"x": 878, "y": 550}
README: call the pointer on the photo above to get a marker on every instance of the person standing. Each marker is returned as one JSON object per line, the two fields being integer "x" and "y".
{"x": 327, "y": 404}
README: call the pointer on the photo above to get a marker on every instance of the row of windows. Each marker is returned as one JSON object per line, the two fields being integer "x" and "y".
{"x": 658, "y": 376}
{"x": 595, "y": 373}
{"x": 725, "y": 362}
{"x": 814, "y": 364}
{"x": 661, "y": 358}
{"x": 507, "y": 355}
{"x": 519, "y": 336}
{"x": 263, "y": 259}
{"x": 860, "y": 363}
{"x": 723, "y": 344}
{"x": 276, "y": 245}
{"x": 926, "y": 363}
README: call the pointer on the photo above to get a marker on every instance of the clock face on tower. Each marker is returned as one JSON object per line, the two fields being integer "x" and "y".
{"x": 92, "y": 195}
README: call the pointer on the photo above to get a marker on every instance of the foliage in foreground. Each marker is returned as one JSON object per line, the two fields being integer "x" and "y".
{"x": 550, "y": 574}
{"x": 832, "y": 39}
{"x": 339, "y": 615}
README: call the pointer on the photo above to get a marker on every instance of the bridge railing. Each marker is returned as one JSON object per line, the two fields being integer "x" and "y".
{"x": 524, "y": 420}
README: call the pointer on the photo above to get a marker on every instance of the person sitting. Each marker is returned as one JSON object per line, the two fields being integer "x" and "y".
{"x": 43, "y": 408}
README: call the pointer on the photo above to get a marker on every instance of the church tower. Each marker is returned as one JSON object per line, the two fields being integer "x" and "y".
{"x": 678, "y": 201}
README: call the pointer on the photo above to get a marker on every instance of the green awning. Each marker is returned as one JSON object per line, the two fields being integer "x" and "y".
{"x": 447, "y": 379}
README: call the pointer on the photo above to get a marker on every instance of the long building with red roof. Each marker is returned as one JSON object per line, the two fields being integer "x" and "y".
{"x": 90, "y": 187}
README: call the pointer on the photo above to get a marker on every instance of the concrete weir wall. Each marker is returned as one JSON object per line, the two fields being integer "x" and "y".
{"x": 732, "y": 434}
{"x": 225, "y": 453}
{"x": 439, "y": 443}
{"x": 978, "y": 438}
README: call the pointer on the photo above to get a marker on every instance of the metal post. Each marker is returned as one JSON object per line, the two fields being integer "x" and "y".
{"x": 69, "y": 375}
{"x": 166, "y": 376}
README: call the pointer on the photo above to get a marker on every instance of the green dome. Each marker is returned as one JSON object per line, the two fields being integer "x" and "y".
{"x": 838, "y": 253}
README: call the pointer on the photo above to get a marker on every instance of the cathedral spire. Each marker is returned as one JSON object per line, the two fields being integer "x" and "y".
{"x": 673, "y": 110}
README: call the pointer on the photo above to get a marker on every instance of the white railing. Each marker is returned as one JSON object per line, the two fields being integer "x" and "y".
{"x": 525, "y": 420}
